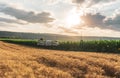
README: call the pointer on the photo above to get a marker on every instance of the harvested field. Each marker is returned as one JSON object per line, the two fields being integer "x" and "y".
{"x": 18, "y": 61}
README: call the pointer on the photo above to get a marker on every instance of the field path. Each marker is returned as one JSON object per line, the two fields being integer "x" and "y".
{"x": 18, "y": 61}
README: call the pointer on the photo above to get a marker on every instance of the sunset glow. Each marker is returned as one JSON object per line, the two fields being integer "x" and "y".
{"x": 65, "y": 17}
{"x": 73, "y": 19}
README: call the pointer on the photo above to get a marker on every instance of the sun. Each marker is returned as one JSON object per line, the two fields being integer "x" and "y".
{"x": 72, "y": 19}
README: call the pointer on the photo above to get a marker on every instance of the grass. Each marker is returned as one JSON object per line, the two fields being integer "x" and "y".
{"x": 17, "y": 61}
{"x": 109, "y": 46}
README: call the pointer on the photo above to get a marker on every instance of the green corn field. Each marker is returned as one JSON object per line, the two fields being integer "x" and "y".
{"x": 93, "y": 46}
{"x": 109, "y": 46}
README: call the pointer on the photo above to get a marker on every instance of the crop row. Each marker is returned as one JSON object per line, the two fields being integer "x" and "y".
{"x": 112, "y": 46}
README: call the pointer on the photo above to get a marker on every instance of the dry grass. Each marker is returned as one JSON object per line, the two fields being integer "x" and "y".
{"x": 24, "y": 62}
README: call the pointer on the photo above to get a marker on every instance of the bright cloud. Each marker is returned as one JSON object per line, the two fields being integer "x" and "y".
{"x": 54, "y": 16}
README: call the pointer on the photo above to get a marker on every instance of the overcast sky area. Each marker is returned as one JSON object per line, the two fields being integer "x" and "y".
{"x": 66, "y": 17}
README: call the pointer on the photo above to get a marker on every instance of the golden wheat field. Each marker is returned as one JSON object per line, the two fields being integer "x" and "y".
{"x": 18, "y": 61}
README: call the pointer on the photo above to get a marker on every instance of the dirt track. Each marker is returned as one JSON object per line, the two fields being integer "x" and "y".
{"x": 25, "y": 62}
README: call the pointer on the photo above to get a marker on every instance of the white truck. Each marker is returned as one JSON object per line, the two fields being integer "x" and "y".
{"x": 42, "y": 42}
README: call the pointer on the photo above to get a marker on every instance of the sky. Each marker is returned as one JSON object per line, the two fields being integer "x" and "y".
{"x": 65, "y": 17}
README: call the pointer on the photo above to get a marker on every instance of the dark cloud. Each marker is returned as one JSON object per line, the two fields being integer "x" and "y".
{"x": 100, "y": 1}
{"x": 93, "y": 19}
{"x": 98, "y": 20}
{"x": 78, "y": 1}
{"x": 31, "y": 16}
{"x": 114, "y": 22}
{"x": 91, "y": 2}
{"x": 6, "y": 20}
{"x": 67, "y": 30}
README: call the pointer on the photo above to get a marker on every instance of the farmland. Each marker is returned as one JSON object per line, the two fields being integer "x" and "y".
{"x": 107, "y": 46}
{"x": 17, "y": 61}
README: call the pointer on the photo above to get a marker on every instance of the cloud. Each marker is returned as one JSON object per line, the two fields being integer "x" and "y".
{"x": 114, "y": 22}
{"x": 100, "y": 1}
{"x": 78, "y": 1}
{"x": 4, "y": 25}
{"x": 89, "y": 3}
{"x": 101, "y": 21}
{"x": 52, "y": 1}
{"x": 67, "y": 30}
{"x": 6, "y": 20}
{"x": 93, "y": 19}
{"x": 28, "y": 16}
